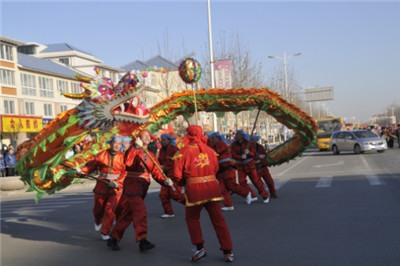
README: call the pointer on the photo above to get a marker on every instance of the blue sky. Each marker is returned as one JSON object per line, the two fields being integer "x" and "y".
{"x": 352, "y": 46}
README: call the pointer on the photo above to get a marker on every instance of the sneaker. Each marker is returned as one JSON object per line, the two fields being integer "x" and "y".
{"x": 97, "y": 227}
{"x": 200, "y": 253}
{"x": 274, "y": 196}
{"x": 145, "y": 245}
{"x": 248, "y": 199}
{"x": 165, "y": 216}
{"x": 113, "y": 244}
{"x": 266, "y": 200}
{"x": 231, "y": 208}
{"x": 105, "y": 237}
{"x": 229, "y": 257}
{"x": 254, "y": 199}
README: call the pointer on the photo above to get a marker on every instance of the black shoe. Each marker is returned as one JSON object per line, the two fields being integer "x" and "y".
{"x": 145, "y": 245}
{"x": 113, "y": 244}
{"x": 274, "y": 196}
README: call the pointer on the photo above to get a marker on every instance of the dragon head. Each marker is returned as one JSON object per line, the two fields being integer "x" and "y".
{"x": 103, "y": 102}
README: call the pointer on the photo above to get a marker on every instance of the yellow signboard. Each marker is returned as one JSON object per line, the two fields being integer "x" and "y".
{"x": 13, "y": 123}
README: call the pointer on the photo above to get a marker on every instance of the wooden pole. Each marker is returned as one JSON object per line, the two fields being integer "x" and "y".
{"x": 195, "y": 104}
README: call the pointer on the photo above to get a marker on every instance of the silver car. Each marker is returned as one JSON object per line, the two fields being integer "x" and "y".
{"x": 358, "y": 141}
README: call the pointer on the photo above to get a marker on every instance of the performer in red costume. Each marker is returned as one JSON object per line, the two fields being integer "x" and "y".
{"x": 110, "y": 164}
{"x": 166, "y": 153}
{"x": 262, "y": 167}
{"x": 195, "y": 167}
{"x": 227, "y": 173}
{"x": 244, "y": 153}
{"x": 138, "y": 166}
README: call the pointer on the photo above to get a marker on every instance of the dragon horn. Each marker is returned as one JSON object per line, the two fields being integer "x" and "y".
{"x": 82, "y": 78}
{"x": 84, "y": 95}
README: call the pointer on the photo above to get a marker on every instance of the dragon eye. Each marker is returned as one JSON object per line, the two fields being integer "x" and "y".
{"x": 103, "y": 89}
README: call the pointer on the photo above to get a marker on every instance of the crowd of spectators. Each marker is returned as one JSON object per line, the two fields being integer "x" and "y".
{"x": 7, "y": 161}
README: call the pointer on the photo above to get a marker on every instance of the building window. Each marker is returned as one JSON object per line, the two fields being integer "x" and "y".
{"x": 28, "y": 83}
{"x": 62, "y": 86}
{"x": 9, "y": 107}
{"x": 63, "y": 108}
{"x": 46, "y": 87}
{"x": 7, "y": 77}
{"x": 76, "y": 88}
{"x": 29, "y": 108}
{"x": 48, "y": 110}
{"x": 6, "y": 52}
{"x": 64, "y": 60}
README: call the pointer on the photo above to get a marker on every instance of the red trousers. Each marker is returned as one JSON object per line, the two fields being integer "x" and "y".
{"x": 166, "y": 193}
{"x": 213, "y": 208}
{"x": 132, "y": 208}
{"x": 251, "y": 171}
{"x": 227, "y": 181}
{"x": 104, "y": 210}
{"x": 266, "y": 175}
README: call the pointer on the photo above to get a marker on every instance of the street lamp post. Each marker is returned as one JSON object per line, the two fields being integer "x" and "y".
{"x": 215, "y": 126}
{"x": 284, "y": 60}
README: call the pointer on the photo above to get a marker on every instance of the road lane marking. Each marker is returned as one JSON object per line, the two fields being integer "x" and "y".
{"x": 15, "y": 218}
{"x": 40, "y": 204}
{"x": 10, "y": 210}
{"x": 332, "y": 164}
{"x": 324, "y": 181}
{"x": 374, "y": 180}
{"x": 294, "y": 165}
{"x": 280, "y": 182}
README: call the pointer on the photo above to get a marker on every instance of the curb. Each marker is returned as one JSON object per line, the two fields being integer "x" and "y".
{"x": 11, "y": 183}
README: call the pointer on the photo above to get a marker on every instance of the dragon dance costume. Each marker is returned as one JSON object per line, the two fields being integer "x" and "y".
{"x": 196, "y": 166}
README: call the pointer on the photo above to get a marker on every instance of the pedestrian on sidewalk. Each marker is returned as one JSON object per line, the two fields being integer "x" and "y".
{"x": 2, "y": 166}
{"x": 10, "y": 161}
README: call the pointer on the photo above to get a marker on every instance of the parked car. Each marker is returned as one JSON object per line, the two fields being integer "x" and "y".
{"x": 358, "y": 141}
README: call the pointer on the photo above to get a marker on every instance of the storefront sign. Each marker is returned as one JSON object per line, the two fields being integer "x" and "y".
{"x": 13, "y": 123}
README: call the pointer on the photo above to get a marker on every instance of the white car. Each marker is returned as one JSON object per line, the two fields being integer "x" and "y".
{"x": 357, "y": 141}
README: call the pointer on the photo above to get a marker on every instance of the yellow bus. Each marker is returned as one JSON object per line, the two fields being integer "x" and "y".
{"x": 326, "y": 127}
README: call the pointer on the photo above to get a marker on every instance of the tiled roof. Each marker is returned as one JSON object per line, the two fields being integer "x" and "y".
{"x": 44, "y": 65}
{"x": 60, "y": 47}
{"x": 135, "y": 65}
{"x": 161, "y": 62}
{"x": 155, "y": 62}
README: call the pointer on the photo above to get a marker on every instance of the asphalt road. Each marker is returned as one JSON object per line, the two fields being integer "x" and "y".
{"x": 330, "y": 210}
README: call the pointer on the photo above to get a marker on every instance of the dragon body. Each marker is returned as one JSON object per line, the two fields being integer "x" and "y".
{"x": 41, "y": 161}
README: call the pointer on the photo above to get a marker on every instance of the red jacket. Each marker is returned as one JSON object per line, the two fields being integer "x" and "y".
{"x": 111, "y": 168}
{"x": 138, "y": 167}
{"x": 165, "y": 158}
{"x": 197, "y": 171}
{"x": 261, "y": 156}
{"x": 224, "y": 155}
{"x": 238, "y": 149}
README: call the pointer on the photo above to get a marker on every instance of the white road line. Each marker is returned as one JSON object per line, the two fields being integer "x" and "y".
{"x": 324, "y": 181}
{"x": 294, "y": 165}
{"x": 280, "y": 182}
{"x": 10, "y": 210}
{"x": 41, "y": 204}
{"x": 31, "y": 211}
{"x": 15, "y": 218}
{"x": 374, "y": 180}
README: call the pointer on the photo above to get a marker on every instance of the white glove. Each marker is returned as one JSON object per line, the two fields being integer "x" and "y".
{"x": 113, "y": 184}
{"x": 138, "y": 143}
{"x": 78, "y": 170}
{"x": 168, "y": 182}
{"x": 244, "y": 156}
{"x": 246, "y": 151}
